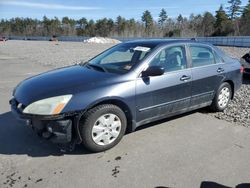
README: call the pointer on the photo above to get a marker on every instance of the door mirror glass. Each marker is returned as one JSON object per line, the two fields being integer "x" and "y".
{"x": 153, "y": 71}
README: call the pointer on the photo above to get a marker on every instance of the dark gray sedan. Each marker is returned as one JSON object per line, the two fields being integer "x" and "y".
{"x": 128, "y": 85}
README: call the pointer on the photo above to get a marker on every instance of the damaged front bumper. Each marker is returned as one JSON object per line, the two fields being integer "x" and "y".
{"x": 56, "y": 128}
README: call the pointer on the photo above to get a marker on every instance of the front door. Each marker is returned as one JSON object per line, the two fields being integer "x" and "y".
{"x": 169, "y": 93}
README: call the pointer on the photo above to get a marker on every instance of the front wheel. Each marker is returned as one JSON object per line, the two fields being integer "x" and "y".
{"x": 102, "y": 127}
{"x": 222, "y": 97}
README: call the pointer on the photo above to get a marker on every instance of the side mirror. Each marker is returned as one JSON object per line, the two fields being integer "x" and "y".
{"x": 153, "y": 71}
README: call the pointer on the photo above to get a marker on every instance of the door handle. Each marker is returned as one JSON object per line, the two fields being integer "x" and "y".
{"x": 220, "y": 70}
{"x": 185, "y": 78}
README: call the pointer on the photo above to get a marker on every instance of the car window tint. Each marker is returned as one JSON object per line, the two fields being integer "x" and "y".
{"x": 171, "y": 59}
{"x": 201, "y": 56}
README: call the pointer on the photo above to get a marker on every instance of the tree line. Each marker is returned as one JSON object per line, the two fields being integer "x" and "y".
{"x": 233, "y": 20}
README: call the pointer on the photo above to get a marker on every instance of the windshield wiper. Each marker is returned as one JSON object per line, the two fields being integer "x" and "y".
{"x": 97, "y": 67}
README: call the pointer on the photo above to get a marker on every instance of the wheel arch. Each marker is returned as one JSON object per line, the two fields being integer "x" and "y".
{"x": 121, "y": 104}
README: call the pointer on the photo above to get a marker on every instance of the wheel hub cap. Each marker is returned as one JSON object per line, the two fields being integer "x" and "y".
{"x": 106, "y": 129}
{"x": 224, "y": 97}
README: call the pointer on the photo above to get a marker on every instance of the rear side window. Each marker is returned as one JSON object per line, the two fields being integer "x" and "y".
{"x": 201, "y": 56}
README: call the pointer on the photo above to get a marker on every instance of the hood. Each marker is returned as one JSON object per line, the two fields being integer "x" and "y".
{"x": 68, "y": 80}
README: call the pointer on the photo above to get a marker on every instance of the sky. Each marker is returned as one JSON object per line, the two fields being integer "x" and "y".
{"x": 97, "y": 9}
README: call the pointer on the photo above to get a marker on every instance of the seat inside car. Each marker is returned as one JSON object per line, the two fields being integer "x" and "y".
{"x": 203, "y": 58}
{"x": 173, "y": 60}
{"x": 204, "y": 55}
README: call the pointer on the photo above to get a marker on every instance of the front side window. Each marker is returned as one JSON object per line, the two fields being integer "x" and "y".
{"x": 121, "y": 58}
{"x": 171, "y": 59}
{"x": 201, "y": 56}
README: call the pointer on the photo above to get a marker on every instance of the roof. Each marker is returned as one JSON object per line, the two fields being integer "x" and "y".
{"x": 156, "y": 42}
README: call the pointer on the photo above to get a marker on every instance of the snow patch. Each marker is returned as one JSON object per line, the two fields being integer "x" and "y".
{"x": 101, "y": 40}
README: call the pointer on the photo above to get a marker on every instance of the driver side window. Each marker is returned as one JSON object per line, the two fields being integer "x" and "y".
{"x": 171, "y": 59}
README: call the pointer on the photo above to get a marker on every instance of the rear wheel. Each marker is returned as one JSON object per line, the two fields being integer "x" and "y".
{"x": 222, "y": 97}
{"x": 103, "y": 127}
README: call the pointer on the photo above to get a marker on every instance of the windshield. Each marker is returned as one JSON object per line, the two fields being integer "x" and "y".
{"x": 120, "y": 59}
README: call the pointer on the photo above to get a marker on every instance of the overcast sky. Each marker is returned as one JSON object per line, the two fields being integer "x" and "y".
{"x": 96, "y": 9}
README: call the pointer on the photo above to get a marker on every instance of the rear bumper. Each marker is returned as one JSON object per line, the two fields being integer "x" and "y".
{"x": 57, "y": 129}
{"x": 246, "y": 71}
{"x": 246, "y": 66}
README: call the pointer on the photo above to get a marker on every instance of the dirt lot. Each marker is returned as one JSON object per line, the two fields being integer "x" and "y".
{"x": 177, "y": 152}
{"x": 57, "y": 54}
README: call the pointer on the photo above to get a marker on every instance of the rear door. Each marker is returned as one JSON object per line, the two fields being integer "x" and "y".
{"x": 166, "y": 94}
{"x": 207, "y": 73}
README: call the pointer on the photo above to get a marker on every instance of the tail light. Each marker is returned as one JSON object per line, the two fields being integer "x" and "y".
{"x": 241, "y": 69}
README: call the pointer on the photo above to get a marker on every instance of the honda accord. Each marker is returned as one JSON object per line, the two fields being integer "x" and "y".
{"x": 134, "y": 83}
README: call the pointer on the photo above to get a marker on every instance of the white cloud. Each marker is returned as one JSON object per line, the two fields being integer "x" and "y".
{"x": 47, "y": 6}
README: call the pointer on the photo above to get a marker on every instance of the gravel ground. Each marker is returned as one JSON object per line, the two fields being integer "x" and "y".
{"x": 238, "y": 110}
{"x": 235, "y": 52}
{"x": 58, "y": 54}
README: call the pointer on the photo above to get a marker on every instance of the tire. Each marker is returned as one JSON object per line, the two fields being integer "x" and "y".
{"x": 222, "y": 98}
{"x": 102, "y": 127}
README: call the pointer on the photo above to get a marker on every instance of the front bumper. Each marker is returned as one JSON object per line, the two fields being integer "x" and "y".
{"x": 56, "y": 128}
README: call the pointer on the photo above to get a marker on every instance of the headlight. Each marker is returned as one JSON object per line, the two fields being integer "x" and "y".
{"x": 49, "y": 106}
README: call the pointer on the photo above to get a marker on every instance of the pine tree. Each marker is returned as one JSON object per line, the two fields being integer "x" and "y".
{"x": 208, "y": 24}
{"x": 162, "y": 18}
{"x": 148, "y": 21}
{"x": 245, "y": 20}
{"x": 180, "y": 19}
{"x": 223, "y": 26}
{"x": 120, "y": 25}
{"x": 234, "y": 10}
